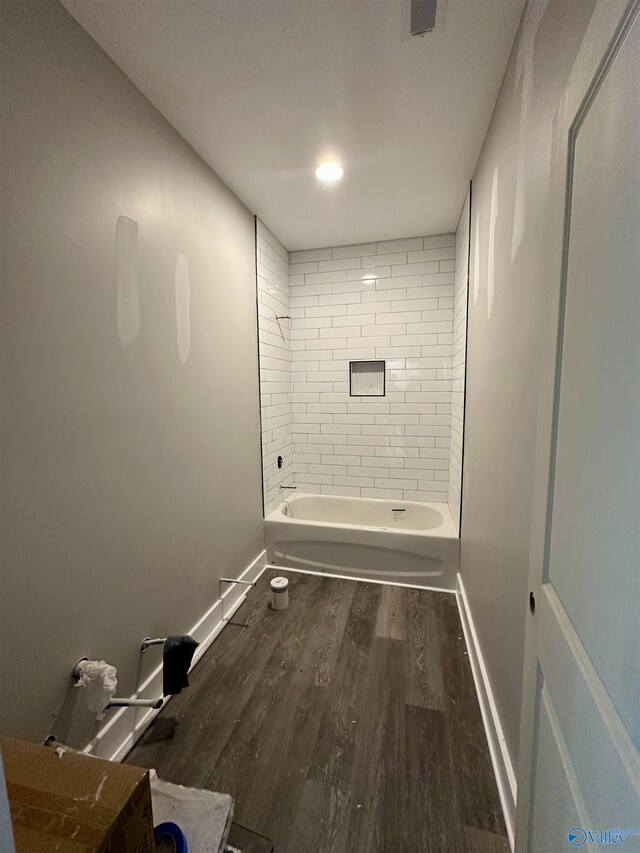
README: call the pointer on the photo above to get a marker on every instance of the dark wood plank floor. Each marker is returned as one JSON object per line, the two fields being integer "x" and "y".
{"x": 348, "y": 723}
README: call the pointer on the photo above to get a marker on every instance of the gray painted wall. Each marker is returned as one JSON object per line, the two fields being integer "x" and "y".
{"x": 130, "y": 477}
{"x": 507, "y": 315}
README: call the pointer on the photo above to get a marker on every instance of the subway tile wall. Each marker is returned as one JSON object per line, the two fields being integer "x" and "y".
{"x": 275, "y": 364}
{"x": 391, "y": 300}
{"x": 458, "y": 359}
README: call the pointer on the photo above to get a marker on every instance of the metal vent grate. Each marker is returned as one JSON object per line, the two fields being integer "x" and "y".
{"x": 423, "y": 16}
{"x": 366, "y": 378}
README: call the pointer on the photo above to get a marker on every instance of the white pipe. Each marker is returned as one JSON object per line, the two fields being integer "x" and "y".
{"x": 143, "y": 703}
{"x": 158, "y": 641}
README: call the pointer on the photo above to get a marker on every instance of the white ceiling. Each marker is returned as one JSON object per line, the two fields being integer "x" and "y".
{"x": 265, "y": 89}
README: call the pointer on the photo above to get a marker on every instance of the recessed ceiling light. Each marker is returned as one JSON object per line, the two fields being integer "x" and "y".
{"x": 329, "y": 172}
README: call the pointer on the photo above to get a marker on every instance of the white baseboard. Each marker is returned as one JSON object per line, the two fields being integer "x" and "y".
{"x": 500, "y": 758}
{"x": 127, "y": 725}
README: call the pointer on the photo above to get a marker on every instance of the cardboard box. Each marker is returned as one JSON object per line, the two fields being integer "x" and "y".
{"x": 72, "y": 803}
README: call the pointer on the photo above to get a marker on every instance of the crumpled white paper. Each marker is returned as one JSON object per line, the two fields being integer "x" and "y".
{"x": 99, "y": 679}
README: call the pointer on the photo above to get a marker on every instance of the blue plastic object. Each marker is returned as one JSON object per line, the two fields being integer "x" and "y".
{"x": 168, "y": 836}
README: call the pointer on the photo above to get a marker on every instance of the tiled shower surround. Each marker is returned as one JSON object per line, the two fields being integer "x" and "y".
{"x": 391, "y": 301}
{"x": 275, "y": 364}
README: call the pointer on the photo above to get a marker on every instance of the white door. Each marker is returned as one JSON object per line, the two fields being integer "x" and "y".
{"x": 580, "y": 762}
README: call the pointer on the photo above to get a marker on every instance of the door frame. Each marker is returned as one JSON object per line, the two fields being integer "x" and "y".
{"x": 609, "y": 24}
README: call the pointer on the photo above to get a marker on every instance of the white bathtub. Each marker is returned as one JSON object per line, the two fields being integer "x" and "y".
{"x": 367, "y": 539}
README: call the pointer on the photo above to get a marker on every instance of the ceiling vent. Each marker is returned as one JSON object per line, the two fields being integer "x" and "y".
{"x": 426, "y": 16}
